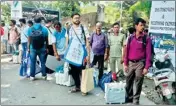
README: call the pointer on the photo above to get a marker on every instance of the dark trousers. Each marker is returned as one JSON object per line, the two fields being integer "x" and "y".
{"x": 134, "y": 81}
{"x": 76, "y": 74}
{"x": 51, "y": 52}
{"x": 100, "y": 60}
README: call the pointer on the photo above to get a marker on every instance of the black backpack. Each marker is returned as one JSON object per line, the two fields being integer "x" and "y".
{"x": 37, "y": 38}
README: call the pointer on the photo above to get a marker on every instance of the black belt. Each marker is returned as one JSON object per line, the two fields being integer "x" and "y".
{"x": 136, "y": 61}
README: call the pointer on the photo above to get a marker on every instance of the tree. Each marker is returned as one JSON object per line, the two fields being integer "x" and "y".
{"x": 39, "y": 4}
{"x": 141, "y": 9}
{"x": 112, "y": 14}
{"x": 68, "y": 7}
{"x": 5, "y": 12}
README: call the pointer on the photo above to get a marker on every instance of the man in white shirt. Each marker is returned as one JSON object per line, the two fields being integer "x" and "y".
{"x": 24, "y": 38}
{"x": 78, "y": 33}
{"x": 4, "y": 38}
{"x": 48, "y": 24}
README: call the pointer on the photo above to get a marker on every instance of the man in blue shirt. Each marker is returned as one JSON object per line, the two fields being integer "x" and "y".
{"x": 59, "y": 40}
{"x": 37, "y": 43}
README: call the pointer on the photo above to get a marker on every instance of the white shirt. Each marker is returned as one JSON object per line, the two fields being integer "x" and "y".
{"x": 24, "y": 31}
{"x": 5, "y": 36}
{"x": 78, "y": 31}
{"x": 50, "y": 34}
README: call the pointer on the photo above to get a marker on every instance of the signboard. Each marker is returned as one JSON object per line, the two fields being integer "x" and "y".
{"x": 162, "y": 27}
{"x": 16, "y": 10}
{"x": 162, "y": 17}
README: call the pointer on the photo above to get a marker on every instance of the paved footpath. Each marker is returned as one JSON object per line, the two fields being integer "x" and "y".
{"x": 17, "y": 91}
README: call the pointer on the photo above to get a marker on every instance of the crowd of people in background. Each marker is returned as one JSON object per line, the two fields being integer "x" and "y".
{"x": 129, "y": 53}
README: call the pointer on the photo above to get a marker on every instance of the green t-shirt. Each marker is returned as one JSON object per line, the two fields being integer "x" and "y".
{"x": 116, "y": 43}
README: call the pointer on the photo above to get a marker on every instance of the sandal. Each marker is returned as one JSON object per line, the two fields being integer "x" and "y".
{"x": 74, "y": 90}
{"x": 84, "y": 94}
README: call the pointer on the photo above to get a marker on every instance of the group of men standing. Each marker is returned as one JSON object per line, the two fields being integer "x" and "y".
{"x": 132, "y": 55}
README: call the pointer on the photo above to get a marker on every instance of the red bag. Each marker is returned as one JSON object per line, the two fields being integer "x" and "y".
{"x": 114, "y": 76}
{"x": 2, "y": 31}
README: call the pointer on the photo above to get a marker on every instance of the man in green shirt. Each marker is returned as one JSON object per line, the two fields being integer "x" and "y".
{"x": 117, "y": 42}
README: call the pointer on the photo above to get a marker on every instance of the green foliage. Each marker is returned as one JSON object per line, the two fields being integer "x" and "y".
{"x": 5, "y": 12}
{"x": 69, "y": 7}
{"x": 131, "y": 9}
{"x": 142, "y": 9}
{"x": 112, "y": 14}
{"x": 66, "y": 7}
{"x": 88, "y": 9}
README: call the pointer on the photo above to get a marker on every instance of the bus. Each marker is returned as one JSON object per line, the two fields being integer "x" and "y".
{"x": 31, "y": 12}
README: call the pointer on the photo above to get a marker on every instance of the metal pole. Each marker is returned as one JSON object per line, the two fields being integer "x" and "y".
{"x": 121, "y": 13}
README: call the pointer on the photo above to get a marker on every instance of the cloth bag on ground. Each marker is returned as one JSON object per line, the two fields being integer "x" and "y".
{"x": 15, "y": 57}
{"x": 106, "y": 78}
{"x": 38, "y": 67}
{"x": 87, "y": 82}
{"x": 115, "y": 93}
{"x": 63, "y": 77}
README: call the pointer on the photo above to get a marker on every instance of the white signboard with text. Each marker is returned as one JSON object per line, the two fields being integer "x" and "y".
{"x": 162, "y": 17}
{"x": 16, "y": 10}
{"x": 162, "y": 28}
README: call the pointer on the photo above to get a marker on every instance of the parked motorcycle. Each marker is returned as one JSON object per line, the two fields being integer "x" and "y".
{"x": 164, "y": 78}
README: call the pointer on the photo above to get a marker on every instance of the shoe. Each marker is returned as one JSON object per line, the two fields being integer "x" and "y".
{"x": 135, "y": 103}
{"x": 129, "y": 104}
{"x": 32, "y": 78}
{"x": 44, "y": 77}
{"x": 49, "y": 77}
{"x": 10, "y": 60}
{"x": 74, "y": 90}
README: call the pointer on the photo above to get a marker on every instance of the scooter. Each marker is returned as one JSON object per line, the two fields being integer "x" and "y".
{"x": 164, "y": 78}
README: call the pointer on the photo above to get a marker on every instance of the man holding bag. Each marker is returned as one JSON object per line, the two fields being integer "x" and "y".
{"x": 77, "y": 50}
{"x": 37, "y": 46}
{"x": 99, "y": 44}
{"x": 59, "y": 40}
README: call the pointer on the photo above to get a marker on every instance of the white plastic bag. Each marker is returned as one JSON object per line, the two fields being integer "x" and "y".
{"x": 38, "y": 68}
{"x": 15, "y": 59}
{"x": 64, "y": 78}
{"x": 115, "y": 92}
{"x": 95, "y": 76}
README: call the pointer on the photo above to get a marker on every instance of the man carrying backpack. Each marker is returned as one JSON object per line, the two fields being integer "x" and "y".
{"x": 14, "y": 36}
{"x": 37, "y": 44}
{"x": 137, "y": 62}
{"x": 78, "y": 34}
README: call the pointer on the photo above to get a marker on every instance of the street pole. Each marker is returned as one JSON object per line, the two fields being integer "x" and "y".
{"x": 121, "y": 2}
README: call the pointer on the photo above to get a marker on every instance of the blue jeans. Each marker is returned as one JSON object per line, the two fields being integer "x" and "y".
{"x": 42, "y": 56}
{"x": 24, "y": 50}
